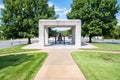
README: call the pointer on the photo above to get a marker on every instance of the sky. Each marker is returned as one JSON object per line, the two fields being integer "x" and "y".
{"x": 62, "y": 7}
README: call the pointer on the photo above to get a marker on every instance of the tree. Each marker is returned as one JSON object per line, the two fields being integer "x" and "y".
{"x": 67, "y": 32}
{"x": 9, "y": 20}
{"x": 98, "y": 16}
{"x": 52, "y": 32}
{"x": 20, "y": 17}
{"x": 115, "y": 33}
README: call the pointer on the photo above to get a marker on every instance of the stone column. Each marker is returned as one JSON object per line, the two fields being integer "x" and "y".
{"x": 73, "y": 35}
{"x": 78, "y": 35}
{"x": 46, "y": 35}
{"x": 41, "y": 35}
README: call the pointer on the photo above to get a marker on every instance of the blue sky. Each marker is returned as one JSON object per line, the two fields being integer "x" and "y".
{"x": 62, "y": 7}
{"x": 118, "y": 14}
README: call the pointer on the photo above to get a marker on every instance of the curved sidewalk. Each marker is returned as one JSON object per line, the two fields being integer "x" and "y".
{"x": 59, "y": 65}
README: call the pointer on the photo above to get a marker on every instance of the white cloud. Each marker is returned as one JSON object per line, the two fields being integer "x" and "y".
{"x": 56, "y": 7}
{"x": 2, "y": 6}
{"x": 64, "y": 12}
{"x": 50, "y": 4}
{"x": 60, "y": 11}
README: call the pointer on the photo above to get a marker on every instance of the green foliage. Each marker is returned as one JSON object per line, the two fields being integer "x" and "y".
{"x": 67, "y": 32}
{"x": 52, "y": 32}
{"x": 98, "y": 16}
{"x": 20, "y": 17}
{"x": 115, "y": 33}
{"x": 1, "y": 36}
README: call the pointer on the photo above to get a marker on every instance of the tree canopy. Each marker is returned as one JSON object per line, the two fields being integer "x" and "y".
{"x": 20, "y": 17}
{"x": 115, "y": 33}
{"x": 98, "y": 16}
{"x": 67, "y": 32}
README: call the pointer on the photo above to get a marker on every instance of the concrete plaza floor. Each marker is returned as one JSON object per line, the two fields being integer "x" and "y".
{"x": 58, "y": 46}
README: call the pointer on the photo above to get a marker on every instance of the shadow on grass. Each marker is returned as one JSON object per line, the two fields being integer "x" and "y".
{"x": 14, "y": 60}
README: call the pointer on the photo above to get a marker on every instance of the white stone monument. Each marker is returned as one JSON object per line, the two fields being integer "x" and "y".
{"x": 74, "y": 24}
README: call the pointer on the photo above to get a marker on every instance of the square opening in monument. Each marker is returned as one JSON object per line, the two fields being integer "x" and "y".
{"x": 60, "y": 36}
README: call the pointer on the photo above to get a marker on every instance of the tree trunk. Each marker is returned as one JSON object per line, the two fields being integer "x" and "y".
{"x": 29, "y": 40}
{"x": 90, "y": 39}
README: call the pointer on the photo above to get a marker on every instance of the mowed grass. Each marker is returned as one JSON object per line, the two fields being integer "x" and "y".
{"x": 21, "y": 66}
{"x": 14, "y": 49}
{"x": 106, "y": 46}
{"x": 98, "y": 66}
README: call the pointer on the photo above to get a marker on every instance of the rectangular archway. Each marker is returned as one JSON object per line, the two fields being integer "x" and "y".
{"x": 74, "y": 24}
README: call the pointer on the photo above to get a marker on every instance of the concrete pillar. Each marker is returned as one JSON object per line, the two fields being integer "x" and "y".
{"x": 46, "y": 35}
{"x": 41, "y": 35}
{"x": 78, "y": 35}
{"x": 73, "y": 35}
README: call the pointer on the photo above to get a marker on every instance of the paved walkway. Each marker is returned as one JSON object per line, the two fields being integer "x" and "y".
{"x": 59, "y": 66}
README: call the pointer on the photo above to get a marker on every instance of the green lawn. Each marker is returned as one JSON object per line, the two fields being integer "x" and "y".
{"x": 14, "y": 49}
{"x": 98, "y": 66}
{"x": 107, "y": 46}
{"x": 21, "y": 66}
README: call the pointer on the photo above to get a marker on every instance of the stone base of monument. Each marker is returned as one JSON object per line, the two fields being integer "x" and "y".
{"x": 67, "y": 41}
{"x": 37, "y": 46}
{"x": 48, "y": 44}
